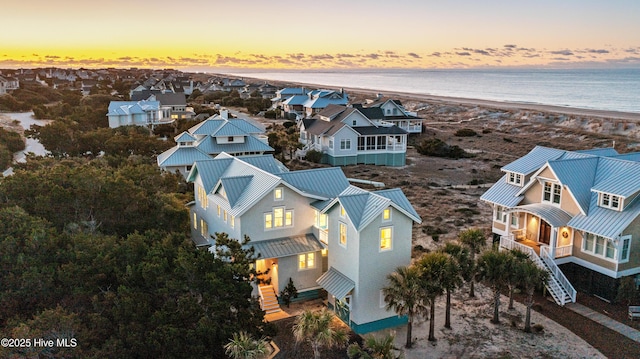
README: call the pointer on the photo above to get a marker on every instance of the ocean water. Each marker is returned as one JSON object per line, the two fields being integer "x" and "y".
{"x": 599, "y": 89}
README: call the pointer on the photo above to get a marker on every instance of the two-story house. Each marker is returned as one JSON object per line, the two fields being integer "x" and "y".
{"x": 310, "y": 226}
{"x": 217, "y": 134}
{"x": 576, "y": 212}
{"x": 318, "y": 100}
{"x": 139, "y": 113}
{"x": 392, "y": 111}
{"x": 346, "y": 136}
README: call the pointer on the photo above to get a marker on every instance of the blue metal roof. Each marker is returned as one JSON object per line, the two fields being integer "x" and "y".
{"x": 266, "y": 163}
{"x": 210, "y": 171}
{"x": 234, "y": 187}
{"x": 606, "y": 152}
{"x": 578, "y": 175}
{"x": 606, "y": 222}
{"x": 206, "y": 127}
{"x": 251, "y": 144}
{"x": 502, "y": 194}
{"x": 181, "y": 156}
{"x": 617, "y": 177}
{"x": 324, "y": 182}
{"x": 397, "y": 196}
{"x": 245, "y": 125}
{"x": 184, "y": 137}
{"x": 533, "y": 160}
{"x": 287, "y": 246}
{"x": 362, "y": 208}
{"x": 228, "y": 129}
{"x": 336, "y": 283}
{"x": 553, "y": 215}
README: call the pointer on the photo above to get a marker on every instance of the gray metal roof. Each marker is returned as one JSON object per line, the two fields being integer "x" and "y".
{"x": 266, "y": 163}
{"x": 533, "y": 160}
{"x": 181, "y": 156}
{"x": 398, "y": 197}
{"x": 553, "y": 215}
{"x": 362, "y": 208}
{"x": 606, "y": 222}
{"x": 502, "y": 194}
{"x": 326, "y": 182}
{"x": 234, "y": 187}
{"x": 617, "y": 177}
{"x": 578, "y": 175}
{"x": 251, "y": 144}
{"x": 287, "y": 246}
{"x": 336, "y": 283}
{"x": 210, "y": 171}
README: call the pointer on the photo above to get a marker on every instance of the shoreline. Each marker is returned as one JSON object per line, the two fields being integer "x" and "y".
{"x": 503, "y": 105}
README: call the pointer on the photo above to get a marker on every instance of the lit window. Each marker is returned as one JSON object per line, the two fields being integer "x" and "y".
{"x": 322, "y": 221}
{"x": 218, "y": 210}
{"x": 204, "y": 228}
{"x": 342, "y": 212}
{"x": 386, "y": 238}
{"x": 278, "y": 217}
{"x": 343, "y": 234}
{"x": 202, "y": 197}
{"x": 225, "y": 216}
{"x": 277, "y": 194}
{"x": 195, "y": 221}
{"x": 233, "y": 221}
{"x": 386, "y": 214}
{"x": 268, "y": 220}
{"x": 288, "y": 218}
{"x": 307, "y": 261}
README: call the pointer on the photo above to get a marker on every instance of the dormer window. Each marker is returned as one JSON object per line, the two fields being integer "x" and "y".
{"x": 230, "y": 139}
{"x": 514, "y": 178}
{"x": 607, "y": 200}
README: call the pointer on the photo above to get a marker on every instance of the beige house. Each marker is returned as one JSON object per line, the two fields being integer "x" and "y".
{"x": 576, "y": 213}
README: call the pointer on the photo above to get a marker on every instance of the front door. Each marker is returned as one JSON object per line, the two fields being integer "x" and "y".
{"x": 545, "y": 232}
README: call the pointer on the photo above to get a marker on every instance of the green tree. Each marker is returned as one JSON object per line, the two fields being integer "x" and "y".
{"x": 318, "y": 329}
{"x": 458, "y": 268}
{"x": 374, "y": 348}
{"x": 434, "y": 267}
{"x": 244, "y": 346}
{"x": 289, "y": 292}
{"x": 475, "y": 241}
{"x": 403, "y": 294}
{"x": 493, "y": 268}
{"x": 518, "y": 258}
{"x": 531, "y": 277}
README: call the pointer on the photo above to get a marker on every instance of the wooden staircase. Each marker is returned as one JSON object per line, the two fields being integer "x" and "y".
{"x": 268, "y": 299}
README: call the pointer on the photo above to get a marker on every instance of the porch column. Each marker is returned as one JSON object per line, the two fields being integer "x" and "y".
{"x": 553, "y": 242}
{"x": 508, "y": 224}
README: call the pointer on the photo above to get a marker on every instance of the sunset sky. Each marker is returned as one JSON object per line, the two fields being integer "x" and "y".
{"x": 214, "y": 34}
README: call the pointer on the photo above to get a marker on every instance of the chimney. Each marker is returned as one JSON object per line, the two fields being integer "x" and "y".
{"x": 224, "y": 114}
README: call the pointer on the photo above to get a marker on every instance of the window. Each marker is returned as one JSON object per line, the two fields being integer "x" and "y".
{"x": 278, "y": 194}
{"x": 218, "y": 210}
{"x": 361, "y": 143}
{"x": 626, "y": 244}
{"x": 381, "y": 142}
{"x": 233, "y": 221}
{"x": 386, "y": 214}
{"x": 514, "y": 178}
{"x": 514, "y": 220}
{"x": 551, "y": 192}
{"x": 195, "y": 221}
{"x": 278, "y": 218}
{"x": 386, "y": 238}
{"x": 224, "y": 215}
{"x": 204, "y": 228}
{"x": 306, "y": 261}
{"x": 321, "y": 220}
{"x": 602, "y": 247}
{"x": 342, "y": 212}
{"x": 345, "y": 144}
{"x": 343, "y": 234}
{"x": 230, "y": 139}
{"x": 500, "y": 215}
{"x": 202, "y": 197}
{"x": 331, "y": 143}
{"x": 354, "y": 122}
{"x": 610, "y": 201}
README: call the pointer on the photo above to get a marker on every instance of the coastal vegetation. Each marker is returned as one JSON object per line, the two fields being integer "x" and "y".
{"x": 10, "y": 142}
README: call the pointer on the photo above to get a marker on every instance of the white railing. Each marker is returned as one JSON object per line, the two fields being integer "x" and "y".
{"x": 557, "y": 273}
{"x": 558, "y": 285}
{"x": 261, "y": 297}
{"x": 564, "y": 251}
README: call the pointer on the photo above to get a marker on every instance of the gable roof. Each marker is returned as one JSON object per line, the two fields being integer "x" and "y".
{"x": 184, "y": 137}
{"x": 234, "y": 187}
{"x": 326, "y": 182}
{"x": 180, "y": 156}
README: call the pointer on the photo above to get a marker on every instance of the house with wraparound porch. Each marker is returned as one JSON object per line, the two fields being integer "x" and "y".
{"x": 311, "y": 226}
{"x": 577, "y": 213}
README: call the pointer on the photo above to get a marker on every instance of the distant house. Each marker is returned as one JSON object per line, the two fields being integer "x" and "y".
{"x": 317, "y": 100}
{"x": 393, "y": 112}
{"x": 347, "y": 136}
{"x": 211, "y": 137}
{"x": 577, "y": 213}
{"x": 8, "y": 83}
{"x": 310, "y": 226}
{"x": 286, "y": 93}
{"x": 174, "y": 105}
{"x": 139, "y": 113}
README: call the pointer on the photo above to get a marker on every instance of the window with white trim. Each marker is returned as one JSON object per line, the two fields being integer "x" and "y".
{"x": 626, "y": 246}
{"x": 500, "y": 215}
{"x": 202, "y": 197}
{"x": 204, "y": 228}
{"x": 343, "y": 213}
{"x": 551, "y": 192}
{"x": 386, "y": 239}
{"x": 345, "y": 144}
{"x": 599, "y": 246}
{"x": 278, "y": 194}
{"x": 343, "y": 234}
{"x": 514, "y": 220}
{"x": 233, "y": 222}
{"x": 224, "y": 216}
{"x": 321, "y": 220}
{"x": 278, "y": 218}
{"x": 386, "y": 214}
{"x": 331, "y": 143}
{"x": 515, "y": 178}
{"x": 306, "y": 261}
{"x": 607, "y": 200}
{"x": 219, "y": 211}
{"x": 195, "y": 221}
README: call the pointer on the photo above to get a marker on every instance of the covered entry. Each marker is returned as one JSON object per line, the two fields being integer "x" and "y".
{"x": 338, "y": 286}
{"x": 541, "y": 224}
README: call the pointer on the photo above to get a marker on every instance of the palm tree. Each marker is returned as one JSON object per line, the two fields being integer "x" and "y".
{"x": 374, "y": 348}
{"x": 404, "y": 295}
{"x": 493, "y": 268}
{"x": 433, "y": 270}
{"x": 531, "y": 277}
{"x": 318, "y": 329}
{"x": 518, "y": 258}
{"x": 244, "y": 346}
{"x": 458, "y": 268}
{"x": 475, "y": 240}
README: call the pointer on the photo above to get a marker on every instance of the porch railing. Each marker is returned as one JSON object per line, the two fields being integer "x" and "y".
{"x": 557, "y": 273}
{"x": 564, "y": 251}
{"x": 559, "y": 287}
{"x": 261, "y": 297}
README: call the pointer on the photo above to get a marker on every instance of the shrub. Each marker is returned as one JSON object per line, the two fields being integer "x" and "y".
{"x": 438, "y": 148}
{"x": 486, "y": 130}
{"x": 466, "y": 132}
{"x": 270, "y": 114}
{"x": 314, "y": 156}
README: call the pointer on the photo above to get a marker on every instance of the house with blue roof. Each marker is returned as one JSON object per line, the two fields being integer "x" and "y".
{"x": 213, "y": 136}
{"x": 576, "y": 212}
{"x": 138, "y": 113}
{"x": 311, "y": 226}
{"x": 392, "y": 111}
{"x": 354, "y": 135}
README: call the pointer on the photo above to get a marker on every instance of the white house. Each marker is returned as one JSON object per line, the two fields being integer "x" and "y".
{"x": 577, "y": 213}
{"x": 311, "y": 226}
{"x": 346, "y": 136}
{"x": 392, "y": 111}
{"x": 139, "y": 113}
